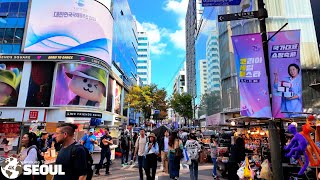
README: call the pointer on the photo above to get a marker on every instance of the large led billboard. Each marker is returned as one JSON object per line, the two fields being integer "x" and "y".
{"x": 80, "y": 85}
{"x": 69, "y": 26}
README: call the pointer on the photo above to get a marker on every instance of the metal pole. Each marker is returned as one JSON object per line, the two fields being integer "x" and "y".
{"x": 273, "y": 132}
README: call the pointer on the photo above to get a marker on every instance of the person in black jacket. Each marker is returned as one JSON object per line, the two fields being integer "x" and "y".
{"x": 42, "y": 142}
{"x": 237, "y": 155}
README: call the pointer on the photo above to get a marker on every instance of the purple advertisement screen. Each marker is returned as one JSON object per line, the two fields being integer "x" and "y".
{"x": 285, "y": 74}
{"x": 252, "y": 78}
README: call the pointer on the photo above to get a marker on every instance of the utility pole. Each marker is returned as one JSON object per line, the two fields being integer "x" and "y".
{"x": 274, "y": 138}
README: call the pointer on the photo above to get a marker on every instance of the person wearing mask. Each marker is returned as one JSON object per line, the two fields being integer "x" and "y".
{"x": 237, "y": 155}
{"x": 193, "y": 148}
{"x": 72, "y": 155}
{"x": 125, "y": 144}
{"x": 106, "y": 141}
{"x": 88, "y": 141}
{"x": 42, "y": 142}
{"x": 164, "y": 147}
{"x": 213, "y": 153}
{"x": 151, "y": 151}
{"x": 134, "y": 139}
{"x": 140, "y": 151}
{"x": 175, "y": 146}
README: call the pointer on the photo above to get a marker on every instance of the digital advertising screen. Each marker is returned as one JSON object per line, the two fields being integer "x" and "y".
{"x": 69, "y": 26}
{"x": 10, "y": 79}
{"x": 80, "y": 85}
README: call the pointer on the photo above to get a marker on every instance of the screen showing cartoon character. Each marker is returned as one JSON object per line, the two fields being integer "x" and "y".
{"x": 10, "y": 78}
{"x": 80, "y": 85}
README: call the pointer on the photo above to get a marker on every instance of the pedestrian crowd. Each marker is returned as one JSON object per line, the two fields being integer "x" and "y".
{"x": 170, "y": 147}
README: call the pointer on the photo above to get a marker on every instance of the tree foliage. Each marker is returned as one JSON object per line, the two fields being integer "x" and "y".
{"x": 182, "y": 104}
{"x": 210, "y": 103}
{"x": 144, "y": 98}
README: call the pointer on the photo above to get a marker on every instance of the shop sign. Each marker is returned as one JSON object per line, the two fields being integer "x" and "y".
{"x": 83, "y": 114}
{"x": 33, "y": 115}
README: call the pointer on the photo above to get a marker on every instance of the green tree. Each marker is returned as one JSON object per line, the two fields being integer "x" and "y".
{"x": 210, "y": 103}
{"x": 144, "y": 98}
{"x": 182, "y": 104}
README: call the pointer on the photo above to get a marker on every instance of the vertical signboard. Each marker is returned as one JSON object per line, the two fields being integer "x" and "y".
{"x": 252, "y": 78}
{"x": 285, "y": 74}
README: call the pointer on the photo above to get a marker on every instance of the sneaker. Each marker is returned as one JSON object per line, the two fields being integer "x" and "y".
{"x": 97, "y": 174}
{"x": 214, "y": 176}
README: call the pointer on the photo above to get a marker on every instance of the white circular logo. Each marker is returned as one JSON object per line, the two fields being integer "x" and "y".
{"x": 11, "y": 168}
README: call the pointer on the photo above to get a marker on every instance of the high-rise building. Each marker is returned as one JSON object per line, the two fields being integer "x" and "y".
{"x": 212, "y": 56}
{"x": 144, "y": 62}
{"x": 68, "y": 63}
{"x": 298, "y": 15}
{"x": 180, "y": 85}
{"x": 203, "y": 70}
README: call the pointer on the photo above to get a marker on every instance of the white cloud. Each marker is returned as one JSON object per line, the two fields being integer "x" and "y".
{"x": 178, "y": 7}
{"x": 154, "y": 35}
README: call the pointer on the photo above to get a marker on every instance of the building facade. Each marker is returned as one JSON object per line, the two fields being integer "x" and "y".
{"x": 299, "y": 16}
{"x": 144, "y": 62}
{"x": 212, "y": 55}
{"x": 203, "y": 71}
{"x": 48, "y": 73}
{"x": 180, "y": 82}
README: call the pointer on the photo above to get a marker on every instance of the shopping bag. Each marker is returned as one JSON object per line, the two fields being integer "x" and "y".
{"x": 240, "y": 171}
{"x": 247, "y": 172}
{"x": 265, "y": 170}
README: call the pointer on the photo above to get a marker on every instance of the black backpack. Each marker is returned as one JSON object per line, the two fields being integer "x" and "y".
{"x": 89, "y": 159}
{"x": 40, "y": 158}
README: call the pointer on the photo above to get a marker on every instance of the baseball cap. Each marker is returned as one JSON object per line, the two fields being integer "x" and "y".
{"x": 91, "y": 130}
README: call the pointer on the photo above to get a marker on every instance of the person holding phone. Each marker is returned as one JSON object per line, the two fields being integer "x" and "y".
{"x": 105, "y": 142}
{"x": 151, "y": 151}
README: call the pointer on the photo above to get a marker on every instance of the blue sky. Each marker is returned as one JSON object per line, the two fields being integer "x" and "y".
{"x": 164, "y": 20}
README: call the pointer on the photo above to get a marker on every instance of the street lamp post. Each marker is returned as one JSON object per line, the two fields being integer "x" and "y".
{"x": 273, "y": 132}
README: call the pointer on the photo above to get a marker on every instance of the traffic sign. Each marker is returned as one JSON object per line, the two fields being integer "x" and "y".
{"x": 238, "y": 16}
{"x": 220, "y": 2}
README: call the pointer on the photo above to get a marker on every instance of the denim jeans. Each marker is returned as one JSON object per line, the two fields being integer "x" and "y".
{"x": 194, "y": 170}
{"x": 125, "y": 156}
{"x": 174, "y": 165}
{"x": 104, "y": 154}
{"x": 214, "y": 170}
{"x": 141, "y": 162}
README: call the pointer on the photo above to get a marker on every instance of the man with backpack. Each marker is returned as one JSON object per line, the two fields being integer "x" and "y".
{"x": 140, "y": 147}
{"x": 105, "y": 142}
{"x": 72, "y": 155}
{"x": 125, "y": 144}
{"x": 193, "y": 148}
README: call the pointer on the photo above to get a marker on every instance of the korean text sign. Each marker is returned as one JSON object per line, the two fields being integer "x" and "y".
{"x": 253, "y": 82}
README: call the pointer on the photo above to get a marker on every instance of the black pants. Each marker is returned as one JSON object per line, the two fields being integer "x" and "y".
{"x": 151, "y": 163}
{"x": 125, "y": 156}
{"x": 104, "y": 154}
{"x": 141, "y": 163}
{"x": 232, "y": 171}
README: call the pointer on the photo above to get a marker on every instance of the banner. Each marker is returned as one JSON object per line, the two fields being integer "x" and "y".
{"x": 252, "y": 78}
{"x": 285, "y": 74}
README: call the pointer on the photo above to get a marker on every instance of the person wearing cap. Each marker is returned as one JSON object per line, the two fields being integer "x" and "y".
{"x": 42, "y": 142}
{"x": 151, "y": 153}
{"x": 88, "y": 140}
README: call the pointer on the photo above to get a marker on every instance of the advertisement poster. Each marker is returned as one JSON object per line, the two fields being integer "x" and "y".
{"x": 80, "y": 85}
{"x": 40, "y": 84}
{"x": 10, "y": 79}
{"x": 117, "y": 98}
{"x": 83, "y": 27}
{"x": 285, "y": 74}
{"x": 253, "y": 82}
{"x": 110, "y": 94}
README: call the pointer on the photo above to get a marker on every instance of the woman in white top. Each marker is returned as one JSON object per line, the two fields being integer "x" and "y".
{"x": 151, "y": 151}
{"x": 28, "y": 155}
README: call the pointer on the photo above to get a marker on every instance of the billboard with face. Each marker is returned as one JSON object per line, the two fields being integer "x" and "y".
{"x": 10, "y": 78}
{"x": 79, "y": 26}
{"x": 80, "y": 85}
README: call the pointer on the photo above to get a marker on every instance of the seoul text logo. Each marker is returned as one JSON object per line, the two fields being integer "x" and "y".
{"x": 11, "y": 168}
